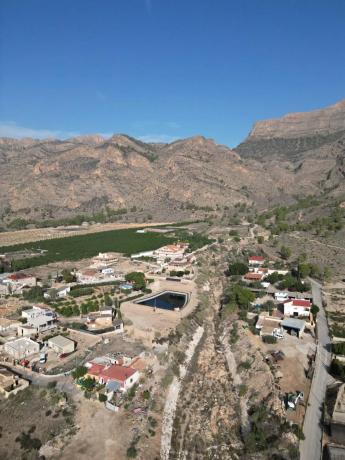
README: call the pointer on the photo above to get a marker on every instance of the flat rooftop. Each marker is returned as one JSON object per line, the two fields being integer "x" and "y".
{"x": 339, "y": 407}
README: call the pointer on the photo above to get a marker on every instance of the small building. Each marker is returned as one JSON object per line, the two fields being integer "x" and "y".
{"x": 21, "y": 348}
{"x": 256, "y": 260}
{"x": 63, "y": 291}
{"x": 281, "y": 296}
{"x": 88, "y": 276}
{"x": 20, "y": 278}
{"x": 61, "y": 344}
{"x": 297, "y": 307}
{"x": 125, "y": 376}
{"x": 338, "y": 417}
{"x": 11, "y": 383}
{"x": 250, "y": 276}
{"x": 293, "y": 326}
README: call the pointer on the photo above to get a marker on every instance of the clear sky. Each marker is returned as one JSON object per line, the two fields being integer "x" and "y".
{"x": 165, "y": 69}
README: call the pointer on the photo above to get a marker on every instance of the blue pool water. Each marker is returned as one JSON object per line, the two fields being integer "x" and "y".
{"x": 166, "y": 301}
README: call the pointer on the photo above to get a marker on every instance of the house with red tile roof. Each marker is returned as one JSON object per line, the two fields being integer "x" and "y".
{"x": 297, "y": 307}
{"x": 256, "y": 260}
{"x": 125, "y": 376}
{"x": 251, "y": 276}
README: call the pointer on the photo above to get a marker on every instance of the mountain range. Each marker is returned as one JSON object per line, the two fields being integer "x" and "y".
{"x": 296, "y": 155}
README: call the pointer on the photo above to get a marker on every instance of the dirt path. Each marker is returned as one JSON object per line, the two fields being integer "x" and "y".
{"x": 173, "y": 393}
{"x": 328, "y": 245}
{"x": 230, "y": 359}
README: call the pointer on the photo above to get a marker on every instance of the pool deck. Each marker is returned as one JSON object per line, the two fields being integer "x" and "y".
{"x": 147, "y": 321}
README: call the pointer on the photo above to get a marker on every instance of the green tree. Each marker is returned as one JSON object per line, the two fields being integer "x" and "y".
{"x": 238, "y": 268}
{"x": 314, "y": 310}
{"x": 304, "y": 269}
{"x": 68, "y": 276}
{"x": 285, "y": 252}
{"x": 88, "y": 384}
{"x": 138, "y": 280}
{"x": 79, "y": 372}
{"x": 239, "y": 295}
{"x": 34, "y": 294}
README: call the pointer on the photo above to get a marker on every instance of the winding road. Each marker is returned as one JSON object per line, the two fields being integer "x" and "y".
{"x": 311, "y": 447}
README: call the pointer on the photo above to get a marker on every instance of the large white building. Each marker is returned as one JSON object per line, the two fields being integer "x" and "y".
{"x": 37, "y": 320}
{"x": 171, "y": 251}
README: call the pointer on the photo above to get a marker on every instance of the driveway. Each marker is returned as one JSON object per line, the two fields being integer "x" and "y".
{"x": 311, "y": 447}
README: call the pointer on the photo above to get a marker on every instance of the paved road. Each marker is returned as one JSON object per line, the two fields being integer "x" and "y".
{"x": 311, "y": 448}
{"x": 63, "y": 382}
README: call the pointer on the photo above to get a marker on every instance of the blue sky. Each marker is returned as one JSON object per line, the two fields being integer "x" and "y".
{"x": 165, "y": 69}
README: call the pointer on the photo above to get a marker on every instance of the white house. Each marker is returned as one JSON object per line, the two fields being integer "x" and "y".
{"x": 125, "y": 376}
{"x": 37, "y": 320}
{"x": 171, "y": 251}
{"x": 21, "y": 348}
{"x": 256, "y": 260}
{"x": 281, "y": 296}
{"x": 297, "y": 307}
{"x": 63, "y": 291}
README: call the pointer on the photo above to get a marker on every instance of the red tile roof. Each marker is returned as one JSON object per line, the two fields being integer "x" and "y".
{"x": 299, "y": 303}
{"x": 257, "y": 258}
{"x": 19, "y": 276}
{"x": 116, "y": 372}
{"x": 95, "y": 369}
{"x": 253, "y": 276}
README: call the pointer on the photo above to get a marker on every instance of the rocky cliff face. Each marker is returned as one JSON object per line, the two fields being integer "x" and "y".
{"x": 294, "y": 125}
{"x": 298, "y": 154}
{"x": 312, "y": 145}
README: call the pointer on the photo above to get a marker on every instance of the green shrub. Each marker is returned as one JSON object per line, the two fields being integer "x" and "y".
{"x": 269, "y": 339}
{"x": 102, "y": 397}
{"x": 132, "y": 451}
{"x": 338, "y": 348}
{"x": 81, "y": 292}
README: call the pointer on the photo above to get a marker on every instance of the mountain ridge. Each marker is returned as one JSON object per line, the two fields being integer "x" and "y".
{"x": 43, "y": 179}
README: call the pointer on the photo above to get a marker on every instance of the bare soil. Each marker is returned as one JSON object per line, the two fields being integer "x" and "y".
{"x": 43, "y": 412}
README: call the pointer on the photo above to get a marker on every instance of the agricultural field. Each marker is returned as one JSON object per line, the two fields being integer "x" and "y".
{"x": 78, "y": 247}
{"x": 125, "y": 241}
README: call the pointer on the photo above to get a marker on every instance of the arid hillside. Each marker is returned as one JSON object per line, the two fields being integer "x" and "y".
{"x": 296, "y": 155}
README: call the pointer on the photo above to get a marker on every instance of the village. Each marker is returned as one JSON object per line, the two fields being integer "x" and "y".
{"x": 102, "y": 327}
{"x": 96, "y": 306}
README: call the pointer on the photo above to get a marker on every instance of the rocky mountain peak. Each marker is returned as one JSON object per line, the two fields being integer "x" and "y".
{"x": 302, "y": 124}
